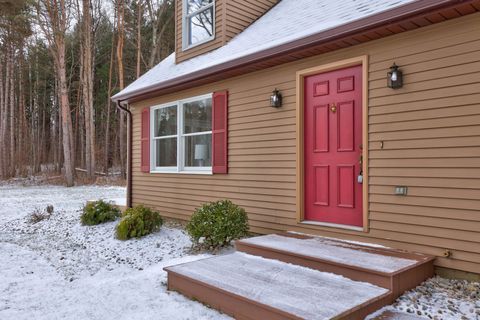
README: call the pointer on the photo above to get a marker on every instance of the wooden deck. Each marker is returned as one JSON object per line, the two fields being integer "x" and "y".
{"x": 242, "y": 285}
{"x": 398, "y": 280}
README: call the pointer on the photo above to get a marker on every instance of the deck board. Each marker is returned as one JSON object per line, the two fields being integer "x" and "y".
{"x": 339, "y": 252}
{"x": 302, "y": 292}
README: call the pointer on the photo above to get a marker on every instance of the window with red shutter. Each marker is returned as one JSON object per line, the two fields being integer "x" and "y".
{"x": 219, "y": 132}
{"x": 145, "y": 140}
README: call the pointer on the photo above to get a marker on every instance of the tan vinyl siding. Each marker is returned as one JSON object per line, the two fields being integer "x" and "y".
{"x": 430, "y": 131}
{"x": 219, "y": 40}
{"x": 231, "y": 18}
{"x": 240, "y": 14}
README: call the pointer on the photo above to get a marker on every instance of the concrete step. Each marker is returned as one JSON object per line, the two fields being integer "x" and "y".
{"x": 250, "y": 287}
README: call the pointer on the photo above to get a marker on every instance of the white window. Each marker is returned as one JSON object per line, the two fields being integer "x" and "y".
{"x": 198, "y": 22}
{"x": 182, "y": 136}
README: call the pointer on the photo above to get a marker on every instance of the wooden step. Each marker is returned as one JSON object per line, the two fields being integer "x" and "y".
{"x": 392, "y": 269}
{"x": 251, "y": 287}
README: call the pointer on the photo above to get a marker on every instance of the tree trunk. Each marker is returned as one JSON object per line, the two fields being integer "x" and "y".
{"x": 6, "y": 101}
{"x": 139, "y": 36}
{"x": 21, "y": 116}
{"x": 54, "y": 18}
{"x": 2, "y": 124}
{"x": 122, "y": 133}
{"x": 157, "y": 34}
{"x": 12, "y": 114}
{"x": 109, "y": 103}
{"x": 67, "y": 131}
{"x": 87, "y": 90}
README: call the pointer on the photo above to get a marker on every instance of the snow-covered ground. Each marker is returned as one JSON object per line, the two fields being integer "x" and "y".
{"x": 59, "y": 269}
{"x": 441, "y": 299}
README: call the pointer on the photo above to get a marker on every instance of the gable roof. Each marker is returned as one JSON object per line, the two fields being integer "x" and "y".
{"x": 287, "y": 22}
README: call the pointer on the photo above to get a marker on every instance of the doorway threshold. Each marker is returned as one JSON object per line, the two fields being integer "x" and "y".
{"x": 332, "y": 225}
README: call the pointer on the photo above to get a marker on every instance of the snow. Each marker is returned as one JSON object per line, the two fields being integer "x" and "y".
{"x": 360, "y": 243}
{"x": 119, "y": 201}
{"x": 17, "y": 201}
{"x": 59, "y": 269}
{"x": 289, "y": 20}
{"x": 116, "y": 201}
{"x": 323, "y": 248}
{"x": 388, "y": 313}
{"x": 317, "y": 295}
{"x": 440, "y": 298}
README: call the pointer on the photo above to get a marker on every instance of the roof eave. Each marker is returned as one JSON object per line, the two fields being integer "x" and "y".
{"x": 395, "y": 15}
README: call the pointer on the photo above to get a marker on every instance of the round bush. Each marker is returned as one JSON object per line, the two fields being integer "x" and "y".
{"x": 137, "y": 222}
{"x": 99, "y": 212}
{"x": 216, "y": 224}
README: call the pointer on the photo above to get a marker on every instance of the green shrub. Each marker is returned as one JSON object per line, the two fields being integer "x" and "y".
{"x": 216, "y": 224}
{"x": 99, "y": 212}
{"x": 137, "y": 222}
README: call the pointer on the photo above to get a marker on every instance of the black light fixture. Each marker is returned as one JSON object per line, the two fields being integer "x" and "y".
{"x": 276, "y": 99}
{"x": 394, "y": 77}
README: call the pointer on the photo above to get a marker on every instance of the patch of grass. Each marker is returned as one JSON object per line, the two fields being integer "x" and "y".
{"x": 138, "y": 222}
{"x": 99, "y": 212}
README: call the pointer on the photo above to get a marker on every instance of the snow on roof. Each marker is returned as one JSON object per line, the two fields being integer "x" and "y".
{"x": 288, "y": 21}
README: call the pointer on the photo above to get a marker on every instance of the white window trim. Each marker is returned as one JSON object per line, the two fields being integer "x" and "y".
{"x": 185, "y": 27}
{"x": 180, "y": 168}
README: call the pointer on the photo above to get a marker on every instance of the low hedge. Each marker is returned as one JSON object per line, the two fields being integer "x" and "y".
{"x": 216, "y": 224}
{"x": 137, "y": 222}
{"x": 99, "y": 212}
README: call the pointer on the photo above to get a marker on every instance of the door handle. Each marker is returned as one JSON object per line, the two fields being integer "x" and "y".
{"x": 360, "y": 175}
{"x": 333, "y": 107}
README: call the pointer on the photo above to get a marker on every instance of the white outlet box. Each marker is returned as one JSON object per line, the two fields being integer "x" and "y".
{"x": 401, "y": 190}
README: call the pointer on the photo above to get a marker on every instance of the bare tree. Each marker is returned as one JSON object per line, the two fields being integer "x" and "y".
{"x": 11, "y": 78}
{"x": 109, "y": 102}
{"x": 120, "y": 42}
{"x": 155, "y": 12}
{"x": 87, "y": 87}
{"x": 53, "y": 18}
{"x": 139, "y": 35}
{"x": 6, "y": 103}
{"x": 3, "y": 124}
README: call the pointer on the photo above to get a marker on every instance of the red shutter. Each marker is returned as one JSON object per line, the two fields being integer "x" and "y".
{"x": 219, "y": 132}
{"x": 145, "y": 140}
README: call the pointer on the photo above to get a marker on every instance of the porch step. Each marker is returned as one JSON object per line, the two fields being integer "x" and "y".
{"x": 388, "y": 268}
{"x": 251, "y": 287}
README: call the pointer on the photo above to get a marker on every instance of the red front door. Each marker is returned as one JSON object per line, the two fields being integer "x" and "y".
{"x": 333, "y": 147}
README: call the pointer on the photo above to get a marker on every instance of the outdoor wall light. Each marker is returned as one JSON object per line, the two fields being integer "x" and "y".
{"x": 394, "y": 77}
{"x": 276, "y": 99}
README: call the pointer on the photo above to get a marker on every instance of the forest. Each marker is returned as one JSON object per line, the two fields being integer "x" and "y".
{"x": 60, "y": 62}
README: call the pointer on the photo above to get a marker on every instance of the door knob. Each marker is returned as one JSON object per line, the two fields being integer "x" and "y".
{"x": 333, "y": 108}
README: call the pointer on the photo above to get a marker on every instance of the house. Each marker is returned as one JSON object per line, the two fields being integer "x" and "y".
{"x": 355, "y": 120}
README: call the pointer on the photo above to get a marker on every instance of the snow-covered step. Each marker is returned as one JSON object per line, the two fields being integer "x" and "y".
{"x": 385, "y": 267}
{"x": 251, "y": 287}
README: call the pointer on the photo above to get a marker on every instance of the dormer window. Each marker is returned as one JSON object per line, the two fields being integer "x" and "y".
{"x": 198, "y": 22}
